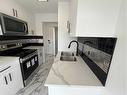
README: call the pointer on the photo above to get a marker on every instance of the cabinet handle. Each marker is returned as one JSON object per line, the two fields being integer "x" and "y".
{"x": 68, "y": 26}
{"x": 16, "y": 13}
{"x": 10, "y": 77}
{"x": 13, "y": 12}
{"x": 6, "y": 80}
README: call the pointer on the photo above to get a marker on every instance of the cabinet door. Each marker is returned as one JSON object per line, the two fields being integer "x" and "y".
{"x": 10, "y": 79}
{"x": 73, "y": 16}
{"x": 94, "y": 18}
{"x": 6, "y": 81}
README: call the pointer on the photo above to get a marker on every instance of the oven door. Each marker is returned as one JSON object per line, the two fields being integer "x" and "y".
{"x": 28, "y": 67}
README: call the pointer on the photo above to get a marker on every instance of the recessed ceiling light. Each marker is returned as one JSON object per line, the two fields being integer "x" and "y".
{"x": 43, "y": 0}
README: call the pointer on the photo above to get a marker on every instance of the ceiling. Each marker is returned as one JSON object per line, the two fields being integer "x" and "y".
{"x": 40, "y": 7}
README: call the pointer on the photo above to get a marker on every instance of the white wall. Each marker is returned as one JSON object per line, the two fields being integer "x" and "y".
{"x": 6, "y": 7}
{"x": 40, "y": 18}
{"x": 117, "y": 75}
{"x": 63, "y": 36}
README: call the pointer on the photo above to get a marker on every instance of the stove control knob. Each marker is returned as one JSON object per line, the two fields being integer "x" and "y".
{"x": 21, "y": 60}
{"x": 3, "y": 46}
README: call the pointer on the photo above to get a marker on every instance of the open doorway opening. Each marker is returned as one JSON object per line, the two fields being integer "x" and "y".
{"x": 50, "y": 35}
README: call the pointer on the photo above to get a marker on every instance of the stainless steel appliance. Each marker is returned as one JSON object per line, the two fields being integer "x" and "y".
{"x": 29, "y": 63}
{"x": 12, "y": 26}
{"x": 28, "y": 60}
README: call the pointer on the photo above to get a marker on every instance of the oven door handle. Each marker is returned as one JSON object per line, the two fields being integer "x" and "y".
{"x": 28, "y": 57}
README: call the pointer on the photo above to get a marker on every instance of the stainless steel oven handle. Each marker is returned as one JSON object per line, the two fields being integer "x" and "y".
{"x": 28, "y": 56}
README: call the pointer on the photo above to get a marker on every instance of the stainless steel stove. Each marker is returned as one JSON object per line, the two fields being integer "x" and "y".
{"x": 28, "y": 59}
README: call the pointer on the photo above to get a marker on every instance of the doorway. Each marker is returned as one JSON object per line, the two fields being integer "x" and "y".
{"x": 50, "y": 35}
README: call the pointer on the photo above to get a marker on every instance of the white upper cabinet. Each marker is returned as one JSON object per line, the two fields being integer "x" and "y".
{"x": 73, "y": 16}
{"x": 95, "y": 18}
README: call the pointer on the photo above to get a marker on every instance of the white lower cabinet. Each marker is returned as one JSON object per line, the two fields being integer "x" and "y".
{"x": 6, "y": 82}
{"x": 10, "y": 78}
{"x": 73, "y": 90}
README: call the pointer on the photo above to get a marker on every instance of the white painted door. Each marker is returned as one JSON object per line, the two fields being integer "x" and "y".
{"x": 50, "y": 41}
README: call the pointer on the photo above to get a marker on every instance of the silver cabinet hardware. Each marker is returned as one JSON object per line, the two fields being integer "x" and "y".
{"x": 10, "y": 76}
{"x": 13, "y": 12}
{"x": 68, "y": 26}
{"x": 6, "y": 80}
{"x": 16, "y": 13}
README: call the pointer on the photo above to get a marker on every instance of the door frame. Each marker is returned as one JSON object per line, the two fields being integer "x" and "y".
{"x": 44, "y": 37}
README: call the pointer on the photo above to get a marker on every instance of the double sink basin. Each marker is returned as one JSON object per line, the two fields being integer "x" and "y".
{"x": 67, "y": 56}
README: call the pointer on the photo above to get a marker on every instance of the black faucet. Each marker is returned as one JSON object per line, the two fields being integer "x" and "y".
{"x": 85, "y": 42}
{"x": 77, "y": 46}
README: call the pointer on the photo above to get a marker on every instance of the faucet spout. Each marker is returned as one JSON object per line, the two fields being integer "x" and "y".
{"x": 77, "y": 46}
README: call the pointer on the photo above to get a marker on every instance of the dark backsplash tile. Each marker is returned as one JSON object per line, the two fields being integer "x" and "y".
{"x": 101, "y": 75}
{"x": 97, "y": 54}
{"x": 104, "y": 44}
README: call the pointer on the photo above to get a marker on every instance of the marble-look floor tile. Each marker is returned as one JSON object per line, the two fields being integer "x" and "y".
{"x": 36, "y": 86}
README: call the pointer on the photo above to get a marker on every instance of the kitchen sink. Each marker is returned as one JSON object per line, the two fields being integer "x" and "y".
{"x": 68, "y": 58}
{"x": 67, "y": 53}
